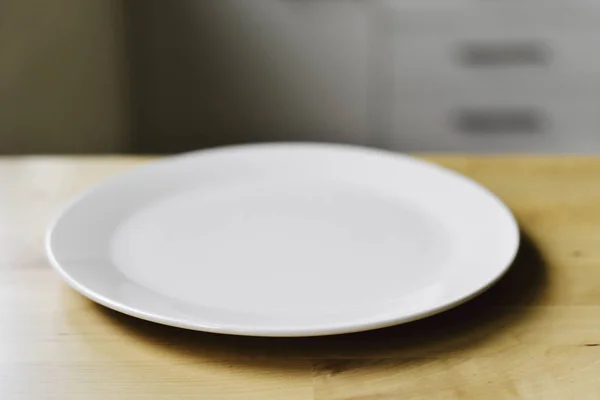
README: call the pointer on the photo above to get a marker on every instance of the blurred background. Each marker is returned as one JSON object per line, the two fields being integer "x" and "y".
{"x": 157, "y": 76}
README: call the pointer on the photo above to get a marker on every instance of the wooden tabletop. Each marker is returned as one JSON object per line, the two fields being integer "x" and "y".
{"x": 535, "y": 335}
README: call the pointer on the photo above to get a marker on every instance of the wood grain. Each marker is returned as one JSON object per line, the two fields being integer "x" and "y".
{"x": 535, "y": 335}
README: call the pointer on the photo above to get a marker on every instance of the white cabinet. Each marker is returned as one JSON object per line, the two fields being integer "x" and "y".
{"x": 479, "y": 76}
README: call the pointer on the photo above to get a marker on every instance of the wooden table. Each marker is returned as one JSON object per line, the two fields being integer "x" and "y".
{"x": 535, "y": 335}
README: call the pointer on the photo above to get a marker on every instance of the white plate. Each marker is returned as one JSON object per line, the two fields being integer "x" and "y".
{"x": 284, "y": 240}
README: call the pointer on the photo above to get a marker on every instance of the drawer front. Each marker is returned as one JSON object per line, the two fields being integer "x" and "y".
{"x": 425, "y": 4}
{"x": 501, "y": 123}
{"x": 462, "y": 16}
{"x": 530, "y": 59}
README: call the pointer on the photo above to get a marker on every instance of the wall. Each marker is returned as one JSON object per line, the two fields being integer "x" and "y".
{"x": 229, "y": 71}
{"x": 62, "y": 77}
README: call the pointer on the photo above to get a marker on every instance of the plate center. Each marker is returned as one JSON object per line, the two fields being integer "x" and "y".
{"x": 299, "y": 248}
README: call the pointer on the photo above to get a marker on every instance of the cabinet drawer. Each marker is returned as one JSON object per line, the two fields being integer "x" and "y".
{"x": 542, "y": 59}
{"x": 433, "y": 17}
{"x": 508, "y": 123}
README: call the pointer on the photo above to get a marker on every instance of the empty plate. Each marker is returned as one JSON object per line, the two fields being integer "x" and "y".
{"x": 284, "y": 240}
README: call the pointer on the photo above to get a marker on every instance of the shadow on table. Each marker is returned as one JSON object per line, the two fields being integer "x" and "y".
{"x": 466, "y": 326}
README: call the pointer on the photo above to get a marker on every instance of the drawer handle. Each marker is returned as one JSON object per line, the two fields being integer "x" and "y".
{"x": 480, "y": 54}
{"x": 485, "y": 121}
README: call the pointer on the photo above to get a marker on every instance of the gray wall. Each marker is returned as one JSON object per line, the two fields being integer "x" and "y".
{"x": 219, "y": 72}
{"x": 63, "y": 85}
{"x": 156, "y": 76}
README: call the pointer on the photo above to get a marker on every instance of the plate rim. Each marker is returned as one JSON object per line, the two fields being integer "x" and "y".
{"x": 325, "y": 330}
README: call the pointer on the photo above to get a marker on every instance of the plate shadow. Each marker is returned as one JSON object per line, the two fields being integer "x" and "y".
{"x": 465, "y": 326}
